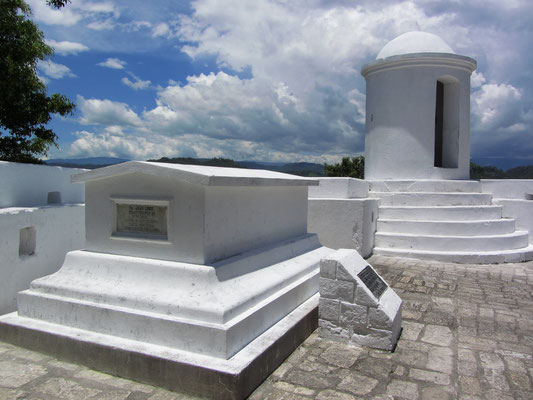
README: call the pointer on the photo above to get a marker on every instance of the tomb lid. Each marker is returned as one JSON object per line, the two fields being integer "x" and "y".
{"x": 414, "y": 42}
{"x": 198, "y": 174}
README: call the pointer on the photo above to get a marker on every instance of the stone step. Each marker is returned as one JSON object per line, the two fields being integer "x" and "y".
{"x": 426, "y": 186}
{"x": 508, "y": 241}
{"x": 431, "y": 199}
{"x": 461, "y": 228}
{"x": 462, "y": 257}
{"x": 436, "y": 213}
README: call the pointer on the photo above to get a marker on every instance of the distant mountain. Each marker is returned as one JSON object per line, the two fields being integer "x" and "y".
{"x": 89, "y": 162}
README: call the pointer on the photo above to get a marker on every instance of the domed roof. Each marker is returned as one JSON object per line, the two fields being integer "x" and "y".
{"x": 414, "y": 42}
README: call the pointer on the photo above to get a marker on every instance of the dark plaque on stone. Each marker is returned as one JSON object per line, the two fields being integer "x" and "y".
{"x": 372, "y": 281}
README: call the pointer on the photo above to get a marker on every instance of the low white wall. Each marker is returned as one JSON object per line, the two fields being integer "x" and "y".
{"x": 42, "y": 217}
{"x": 516, "y": 197}
{"x": 30, "y": 185}
{"x": 521, "y": 211}
{"x": 508, "y": 188}
{"x": 33, "y": 244}
{"x": 342, "y": 215}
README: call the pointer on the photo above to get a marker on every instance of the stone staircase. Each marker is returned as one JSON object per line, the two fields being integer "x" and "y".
{"x": 445, "y": 221}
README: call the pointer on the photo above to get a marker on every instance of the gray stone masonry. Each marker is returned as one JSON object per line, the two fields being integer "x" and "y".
{"x": 348, "y": 311}
{"x": 467, "y": 334}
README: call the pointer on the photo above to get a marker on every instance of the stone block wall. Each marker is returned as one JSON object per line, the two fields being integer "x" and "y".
{"x": 349, "y": 311}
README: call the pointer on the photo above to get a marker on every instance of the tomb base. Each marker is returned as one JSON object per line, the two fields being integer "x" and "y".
{"x": 210, "y": 330}
{"x": 165, "y": 367}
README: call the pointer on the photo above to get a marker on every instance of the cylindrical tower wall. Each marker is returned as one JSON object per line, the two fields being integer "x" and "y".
{"x": 401, "y": 112}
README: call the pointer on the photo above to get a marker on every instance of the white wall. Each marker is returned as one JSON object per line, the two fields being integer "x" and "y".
{"x": 35, "y": 230}
{"x": 57, "y": 230}
{"x": 508, "y": 188}
{"x": 516, "y": 197}
{"x": 29, "y": 185}
{"x": 342, "y": 215}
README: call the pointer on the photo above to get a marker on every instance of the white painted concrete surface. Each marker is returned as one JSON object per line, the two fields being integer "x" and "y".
{"x": 211, "y": 213}
{"x": 521, "y": 211}
{"x": 30, "y": 185}
{"x": 508, "y": 188}
{"x": 202, "y": 260}
{"x": 344, "y": 223}
{"x": 339, "y": 188}
{"x": 56, "y": 230}
{"x": 401, "y": 108}
{"x": 342, "y": 215}
{"x": 415, "y": 42}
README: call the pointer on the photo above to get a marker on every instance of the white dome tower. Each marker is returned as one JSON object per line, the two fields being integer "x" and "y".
{"x": 418, "y": 110}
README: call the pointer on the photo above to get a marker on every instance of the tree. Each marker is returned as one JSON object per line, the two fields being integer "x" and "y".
{"x": 25, "y": 107}
{"x": 351, "y": 167}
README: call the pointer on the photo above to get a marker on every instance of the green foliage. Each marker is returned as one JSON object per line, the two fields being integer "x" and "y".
{"x": 488, "y": 172}
{"x": 25, "y": 107}
{"x": 353, "y": 167}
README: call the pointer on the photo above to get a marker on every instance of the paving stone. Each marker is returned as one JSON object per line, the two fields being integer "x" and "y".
{"x": 341, "y": 355}
{"x": 521, "y": 381}
{"x": 440, "y": 359}
{"x": 113, "y": 395}
{"x": 310, "y": 379}
{"x": 439, "y": 335}
{"x": 411, "y": 330}
{"x": 357, "y": 384}
{"x": 166, "y": 395}
{"x": 429, "y": 376}
{"x": 402, "y": 389}
{"x": 61, "y": 388}
{"x": 14, "y": 374}
{"x": 294, "y": 389}
{"x": 113, "y": 381}
{"x": 434, "y": 393}
{"x": 330, "y": 394}
{"x": 470, "y": 385}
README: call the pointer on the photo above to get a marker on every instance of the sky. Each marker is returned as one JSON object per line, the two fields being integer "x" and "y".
{"x": 268, "y": 80}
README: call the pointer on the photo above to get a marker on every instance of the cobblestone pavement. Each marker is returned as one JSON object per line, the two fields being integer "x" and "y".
{"x": 467, "y": 334}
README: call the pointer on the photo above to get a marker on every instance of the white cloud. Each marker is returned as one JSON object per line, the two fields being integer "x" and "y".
{"x": 107, "y": 113}
{"x": 161, "y": 29}
{"x": 65, "y": 16}
{"x": 66, "y": 48}
{"x": 55, "y": 71}
{"x": 496, "y": 106}
{"x": 292, "y": 86}
{"x": 102, "y": 25}
{"x": 137, "y": 83}
{"x": 113, "y": 63}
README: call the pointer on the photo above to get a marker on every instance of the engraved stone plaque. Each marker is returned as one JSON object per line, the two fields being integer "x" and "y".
{"x": 142, "y": 220}
{"x": 372, "y": 281}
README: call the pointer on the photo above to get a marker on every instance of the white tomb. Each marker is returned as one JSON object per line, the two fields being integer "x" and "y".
{"x": 202, "y": 266}
{"x": 418, "y": 110}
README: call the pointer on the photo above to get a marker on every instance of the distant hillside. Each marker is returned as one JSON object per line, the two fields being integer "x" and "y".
{"x": 301, "y": 168}
{"x": 88, "y": 163}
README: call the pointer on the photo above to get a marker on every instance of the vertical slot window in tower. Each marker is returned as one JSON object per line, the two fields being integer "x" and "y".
{"x": 439, "y": 123}
{"x": 27, "y": 241}
{"x": 447, "y": 123}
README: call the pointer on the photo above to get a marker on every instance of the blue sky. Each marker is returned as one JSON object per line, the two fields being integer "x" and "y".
{"x": 268, "y": 80}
